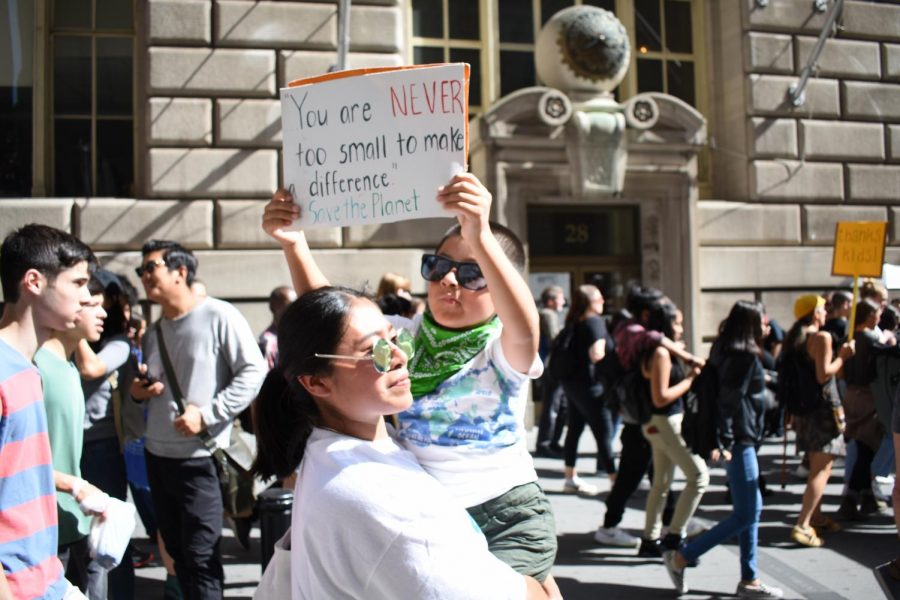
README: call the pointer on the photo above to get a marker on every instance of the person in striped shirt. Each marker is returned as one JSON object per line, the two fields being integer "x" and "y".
{"x": 44, "y": 274}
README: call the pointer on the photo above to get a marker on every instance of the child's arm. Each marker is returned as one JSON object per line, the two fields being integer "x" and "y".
{"x": 470, "y": 201}
{"x": 281, "y": 212}
{"x": 680, "y": 351}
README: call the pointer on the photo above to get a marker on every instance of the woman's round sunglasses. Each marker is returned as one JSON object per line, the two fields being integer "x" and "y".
{"x": 468, "y": 274}
{"x": 381, "y": 352}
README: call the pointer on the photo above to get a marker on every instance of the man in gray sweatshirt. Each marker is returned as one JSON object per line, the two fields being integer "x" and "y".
{"x": 219, "y": 369}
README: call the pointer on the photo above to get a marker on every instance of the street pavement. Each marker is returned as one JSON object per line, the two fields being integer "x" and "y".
{"x": 843, "y": 569}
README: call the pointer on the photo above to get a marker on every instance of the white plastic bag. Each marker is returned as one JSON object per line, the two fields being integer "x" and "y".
{"x": 276, "y": 580}
{"x": 111, "y": 532}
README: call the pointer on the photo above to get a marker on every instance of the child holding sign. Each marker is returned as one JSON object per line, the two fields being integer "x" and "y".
{"x": 475, "y": 350}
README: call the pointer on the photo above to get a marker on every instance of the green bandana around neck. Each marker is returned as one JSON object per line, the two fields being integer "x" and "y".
{"x": 441, "y": 352}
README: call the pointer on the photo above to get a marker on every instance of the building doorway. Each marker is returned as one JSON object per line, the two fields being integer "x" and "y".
{"x": 573, "y": 245}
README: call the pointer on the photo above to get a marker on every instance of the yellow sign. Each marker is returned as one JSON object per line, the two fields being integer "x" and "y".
{"x": 859, "y": 248}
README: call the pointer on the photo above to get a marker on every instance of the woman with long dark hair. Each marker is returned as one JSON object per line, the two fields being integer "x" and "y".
{"x": 863, "y": 426}
{"x": 584, "y": 391}
{"x": 666, "y": 381}
{"x": 820, "y": 432}
{"x": 358, "y": 493}
{"x": 741, "y": 411}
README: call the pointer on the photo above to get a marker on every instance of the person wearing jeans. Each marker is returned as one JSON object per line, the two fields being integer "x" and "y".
{"x": 741, "y": 413}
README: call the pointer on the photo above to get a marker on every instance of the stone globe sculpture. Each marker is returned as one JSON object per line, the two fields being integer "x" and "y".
{"x": 583, "y": 49}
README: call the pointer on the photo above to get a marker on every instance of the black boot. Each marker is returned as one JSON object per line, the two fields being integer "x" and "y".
{"x": 650, "y": 548}
{"x": 672, "y": 541}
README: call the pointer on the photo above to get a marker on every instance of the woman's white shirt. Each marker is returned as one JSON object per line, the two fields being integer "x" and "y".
{"x": 369, "y": 522}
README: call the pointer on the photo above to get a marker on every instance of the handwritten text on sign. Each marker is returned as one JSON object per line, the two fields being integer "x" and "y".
{"x": 374, "y": 148}
{"x": 859, "y": 248}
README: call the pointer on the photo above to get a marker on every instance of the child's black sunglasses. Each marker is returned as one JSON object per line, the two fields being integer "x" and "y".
{"x": 468, "y": 274}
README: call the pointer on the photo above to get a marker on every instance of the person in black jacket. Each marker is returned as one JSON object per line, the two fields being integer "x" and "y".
{"x": 741, "y": 426}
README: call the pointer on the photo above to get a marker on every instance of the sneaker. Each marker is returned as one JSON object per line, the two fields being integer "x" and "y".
{"x": 579, "y": 486}
{"x": 882, "y": 487}
{"x": 650, "y": 548}
{"x": 613, "y": 536}
{"x": 761, "y": 590}
{"x": 826, "y": 524}
{"x": 675, "y": 574}
{"x": 801, "y": 471}
{"x": 806, "y": 536}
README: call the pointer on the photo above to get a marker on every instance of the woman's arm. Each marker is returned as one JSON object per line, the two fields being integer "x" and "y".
{"x": 90, "y": 366}
{"x": 820, "y": 350}
{"x": 597, "y": 350}
{"x": 280, "y": 213}
{"x": 661, "y": 392}
{"x": 470, "y": 202}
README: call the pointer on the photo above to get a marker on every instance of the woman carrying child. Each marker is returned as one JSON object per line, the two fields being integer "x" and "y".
{"x": 342, "y": 367}
{"x": 475, "y": 350}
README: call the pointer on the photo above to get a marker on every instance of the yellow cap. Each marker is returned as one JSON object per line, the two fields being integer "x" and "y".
{"x": 807, "y": 303}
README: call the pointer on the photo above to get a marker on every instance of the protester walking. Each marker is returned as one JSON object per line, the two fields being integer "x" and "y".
{"x": 807, "y": 352}
{"x": 665, "y": 382}
{"x": 741, "y": 413}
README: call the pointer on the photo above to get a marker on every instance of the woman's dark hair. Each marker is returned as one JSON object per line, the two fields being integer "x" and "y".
{"x": 795, "y": 340}
{"x": 662, "y": 318}
{"x": 581, "y": 302}
{"x": 865, "y": 308}
{"x": 392, "y": 304}
{"x": 641, "y": 299}
{"x": 284, "y": 411}
{"x": 890, "y": 318}
{"x": 741, "y": 331}
{"x": 508, "y": 240}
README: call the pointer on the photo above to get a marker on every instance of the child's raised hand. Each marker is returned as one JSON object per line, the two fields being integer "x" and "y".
{"x": 470, "y": 201}
{"x": 280, "y": 213}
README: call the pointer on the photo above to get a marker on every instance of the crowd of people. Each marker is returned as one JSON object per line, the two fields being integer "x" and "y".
{"x": 400, "y": 423}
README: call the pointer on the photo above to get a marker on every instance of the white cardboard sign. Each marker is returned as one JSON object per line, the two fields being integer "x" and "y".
{"x": 373, "y": 146}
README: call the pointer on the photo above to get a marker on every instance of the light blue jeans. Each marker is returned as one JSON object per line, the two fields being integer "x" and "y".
{"x": 743, "y": 477}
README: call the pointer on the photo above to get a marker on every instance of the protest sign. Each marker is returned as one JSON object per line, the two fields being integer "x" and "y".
{"x": 858, "y": 252}
{"x": 859, "y": 248}
{"x": 373, "y": 145}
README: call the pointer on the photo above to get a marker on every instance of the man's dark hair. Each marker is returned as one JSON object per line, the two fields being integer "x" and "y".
{"x": 641, "y": 299}
{"x": 175, "y": 255}
{"x": 840, "y": 298}
{"x": 40, "y": 247}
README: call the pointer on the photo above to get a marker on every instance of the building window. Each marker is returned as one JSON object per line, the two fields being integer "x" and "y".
{"x": 16, "y": 97}
{"x": 663, "y": 37}
{"x": 92, "y": 118}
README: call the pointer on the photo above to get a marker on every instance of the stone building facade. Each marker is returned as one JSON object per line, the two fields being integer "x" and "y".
{"x": 760, "y": 206}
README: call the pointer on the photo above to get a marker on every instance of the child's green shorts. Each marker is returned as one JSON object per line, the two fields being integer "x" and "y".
{"x": 520, "y": 529}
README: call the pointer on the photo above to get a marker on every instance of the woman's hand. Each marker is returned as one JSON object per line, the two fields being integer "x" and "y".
{"x": 718, "y": 454}
{"x": 847, "y": 350}
{"x": 281, "y": 212}
{"x": 470, "y": 201}
{"x": 696, "y": 367}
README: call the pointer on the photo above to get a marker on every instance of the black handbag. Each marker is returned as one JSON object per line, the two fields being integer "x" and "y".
{"x": 233, "y": 464}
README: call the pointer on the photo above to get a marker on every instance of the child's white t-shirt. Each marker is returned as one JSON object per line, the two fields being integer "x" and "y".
{"x": 369, "y": 523}
{"x": 469, "y": 433}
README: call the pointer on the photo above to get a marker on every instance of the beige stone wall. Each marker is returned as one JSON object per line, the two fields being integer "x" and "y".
{"x": 784, "y": 175}
{"x": 210, "y": 144}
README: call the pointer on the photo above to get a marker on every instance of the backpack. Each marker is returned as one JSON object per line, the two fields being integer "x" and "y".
{"x": 798, "y": 389}
{"x": 633, "y": 393}
{"x": 562, "y": 363}
{"x": 701, "y": 414}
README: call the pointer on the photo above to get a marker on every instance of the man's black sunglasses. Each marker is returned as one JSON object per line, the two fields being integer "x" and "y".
{"x": 149, "y": 266}
{"x": 468, "y": 274}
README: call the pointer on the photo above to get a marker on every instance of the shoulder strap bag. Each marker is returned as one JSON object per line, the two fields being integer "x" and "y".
{"x": 233, "y": 464}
